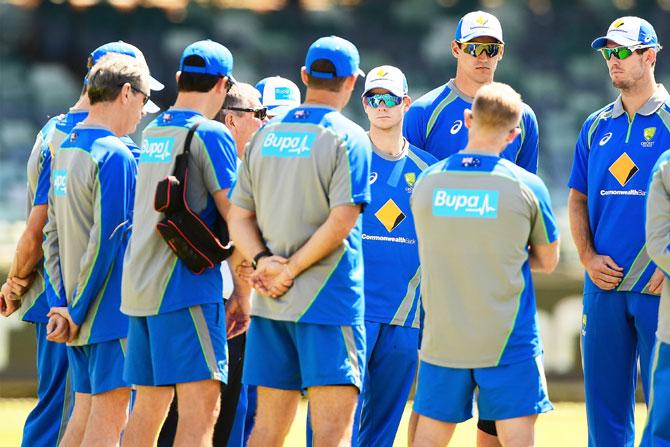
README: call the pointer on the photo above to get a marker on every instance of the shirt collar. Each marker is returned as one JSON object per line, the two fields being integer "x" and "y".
{"x": 452, "y": 86}
{"x": 650, "y": 107}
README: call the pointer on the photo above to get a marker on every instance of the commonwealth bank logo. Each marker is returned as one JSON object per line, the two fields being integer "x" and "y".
{"x": 618, "y": 23}
{"x": 481, "y": 20}
{"x": 381, "y": 73}
{"x": 623, "y": 169}
{"x": 390, "y": 215}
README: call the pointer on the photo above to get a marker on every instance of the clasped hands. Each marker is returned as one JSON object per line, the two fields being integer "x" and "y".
{"x": 272, "y": 277}
{"x": 11, "y": 292}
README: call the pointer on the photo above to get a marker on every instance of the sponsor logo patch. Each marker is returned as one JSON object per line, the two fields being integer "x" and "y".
{"x": 60, "y": 182}
{"x": 157, "y": 150}
{"x": 623, "y": 169}
{"x": 282, "y": 93}
{"x": 390, "y": 215}
{"x": 288, "y": 144}
{"x": 470, "y": 203}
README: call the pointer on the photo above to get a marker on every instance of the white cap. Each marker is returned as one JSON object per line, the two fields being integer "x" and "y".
{"x": 278, "y": 94}
{"x": 387, "y": 77}
{"x": 628, "y": 32}
{"x": 478, "y": 24}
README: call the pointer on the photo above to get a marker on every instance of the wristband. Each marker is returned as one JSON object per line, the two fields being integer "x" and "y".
{"x": 264, "y": 253}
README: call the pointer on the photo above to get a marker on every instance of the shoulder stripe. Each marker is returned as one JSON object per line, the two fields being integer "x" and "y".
{"x": 417, "y": 161}
{"x": 436, "y": 113}
{"x": 603, "y": 115}
{"x": 665, "y": 117}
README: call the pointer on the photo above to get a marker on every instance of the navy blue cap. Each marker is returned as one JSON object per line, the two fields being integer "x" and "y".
{"x": 340, "y": 52}
{"x": 218, "y": 59}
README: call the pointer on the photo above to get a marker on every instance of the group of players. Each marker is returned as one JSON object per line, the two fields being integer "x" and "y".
{"x": 314, "y": 205}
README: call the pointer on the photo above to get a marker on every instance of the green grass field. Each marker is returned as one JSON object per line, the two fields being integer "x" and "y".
{"x": 563, "y": 427}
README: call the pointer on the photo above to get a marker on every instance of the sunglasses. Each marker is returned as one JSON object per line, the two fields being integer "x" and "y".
{"x": 260, "y": 113}
{"x": 618, "y": 52}
{"x": 388, "y": 99}
{"x": 476, "y": 49}
{"x": 137, "y": 90}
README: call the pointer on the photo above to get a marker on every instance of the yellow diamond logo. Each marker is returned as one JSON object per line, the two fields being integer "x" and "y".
{"x": 481, "y": 20}
{"x": 618, "y": 23}
{"x": 623, "y": 169}
{"x": 381, "y": 73}
{"x": 390, "y": 215}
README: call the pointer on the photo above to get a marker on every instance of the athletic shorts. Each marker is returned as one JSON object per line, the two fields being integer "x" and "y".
{"x": 295, "y": 356}
{"x": 186, "y": 345}
{"x": 97, "y": 368}
{"x": 505, "y": 392}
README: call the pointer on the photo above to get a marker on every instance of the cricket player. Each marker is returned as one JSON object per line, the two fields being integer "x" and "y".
{"x": 615, "y": 152}
{"x": 177, "y": 328}
{"x": 278, "y": 95}
{"x": 657, "y": 431}
{"x": 307, "y": 329}
{"x": 46, "y": 423}
{"x": 90, "y": 203}
{"x": 480, "y": 330}
{"x": 434, "y": 123}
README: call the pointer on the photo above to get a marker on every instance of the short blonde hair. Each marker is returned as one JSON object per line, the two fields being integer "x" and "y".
{"x": 111, "y": 73}
{"x": 497, "y": 107}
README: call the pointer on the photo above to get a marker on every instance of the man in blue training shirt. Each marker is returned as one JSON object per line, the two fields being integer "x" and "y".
{"x": 434, "y": 123}
{"x": 480, "y": 333}
{"x": 90, "y": 203}
{"x": 391, "y": 262}
{"x": 307, "y": 330}
{"x": 46, "y": 424}
{"x": 614, "y": 156}
{"x": 177, "y": 327}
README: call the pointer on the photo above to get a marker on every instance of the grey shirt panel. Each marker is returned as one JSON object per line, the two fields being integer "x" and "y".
{"x": 470, "y": 307}
{"x": 291, "y": 201}
{"x": 658, "y": 240}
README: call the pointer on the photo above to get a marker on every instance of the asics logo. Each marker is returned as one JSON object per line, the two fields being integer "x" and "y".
{"x": 605, "y": 139}
{"x": 456, "y": 127}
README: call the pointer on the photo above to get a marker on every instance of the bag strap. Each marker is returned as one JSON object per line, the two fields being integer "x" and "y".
{"x": 182, "y": 159}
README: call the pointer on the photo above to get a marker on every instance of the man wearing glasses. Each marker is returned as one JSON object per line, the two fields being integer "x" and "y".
{"x": 614, "y": 156}
{"x": 177, "y": 331}
{"x": 90, "y": 206}
{"x": 434, "y": 123}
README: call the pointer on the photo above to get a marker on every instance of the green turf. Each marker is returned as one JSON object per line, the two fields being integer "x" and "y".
{"x": 565, "y": 426}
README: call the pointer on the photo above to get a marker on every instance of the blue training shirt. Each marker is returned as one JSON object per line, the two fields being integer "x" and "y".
{"x": 390, "y": 252}
{"x": 434, "y": 123}
{"x": 614, "y": 158}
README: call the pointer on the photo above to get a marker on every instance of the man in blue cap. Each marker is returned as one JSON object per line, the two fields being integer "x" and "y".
{"x": 28, "y": 285}
{"x": 177, "y": 331}
{"x": 614, "y": 156}
{"x": 307, "y": 331}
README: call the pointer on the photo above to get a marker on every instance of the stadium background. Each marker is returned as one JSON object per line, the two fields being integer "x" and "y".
{"x": 44, "y": 46}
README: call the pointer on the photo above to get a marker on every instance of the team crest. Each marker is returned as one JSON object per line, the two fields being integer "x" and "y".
{"x": 649, "y": 133}
{"x": 410, "y": 179}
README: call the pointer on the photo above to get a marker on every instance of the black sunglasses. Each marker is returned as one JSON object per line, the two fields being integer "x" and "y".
{"x": 137, "y": 90}
{"x": 260, "y": 113}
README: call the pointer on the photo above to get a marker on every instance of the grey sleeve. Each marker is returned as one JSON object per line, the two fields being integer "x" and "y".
{"x": 340, "y": 192}
{"x": 658, "y": 218}
{"x": 52, "y": 257}
{"x": 242, "y": 193}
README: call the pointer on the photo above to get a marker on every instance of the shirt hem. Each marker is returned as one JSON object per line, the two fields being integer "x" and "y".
{"x": 135, "y": 312}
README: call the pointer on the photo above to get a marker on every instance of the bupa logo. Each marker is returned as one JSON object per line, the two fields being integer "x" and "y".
{"x": 288, "y": 144}
{"x": 157, "y": 150}
{"x": 470, "y": 203}
{"x": 283, "y": 94}
{"x": 60, "y": 182}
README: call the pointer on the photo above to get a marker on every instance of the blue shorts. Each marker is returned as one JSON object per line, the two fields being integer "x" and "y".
{"x": 505, "y": 391}
{"x": 657, "y": 431}
{"x": 186, "y": 345}
{"x": 295, "y": 356}
{"x": 97, "y": 368}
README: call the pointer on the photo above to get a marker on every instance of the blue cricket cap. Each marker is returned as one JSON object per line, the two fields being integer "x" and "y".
{"x": 122, "y": 47}
{"x": 218, "y": 59}
{"x": 629, "y": 31}
{"x": 340, "y": 52}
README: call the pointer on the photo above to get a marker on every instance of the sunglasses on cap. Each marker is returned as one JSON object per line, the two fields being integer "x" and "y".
{"x": 260, "y": 113}
{"x": 476, "y": 48}
{"x": 619, "y": 52}
{"x": 389, "y": 100}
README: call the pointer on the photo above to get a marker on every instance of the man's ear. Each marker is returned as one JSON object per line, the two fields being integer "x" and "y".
{"x": 513, "y": 134}
{"x": 177, "y": 75}
{"x": 467, "y": 118}
{"x": 229, "y": 121}
{"x": 455, "y": 48}
{"x": 303, "y": 75}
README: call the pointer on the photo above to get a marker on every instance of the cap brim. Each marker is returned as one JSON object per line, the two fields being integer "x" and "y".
{"x": 601, "y": 42}
{"x": 151, "y": 107}
{"x": 475, "y": 35}
{"x": 155, "y": 85}
{"x": 393, "y": 91}
{"x": 279, "y": 110}
{"x": 360, "y": 73}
